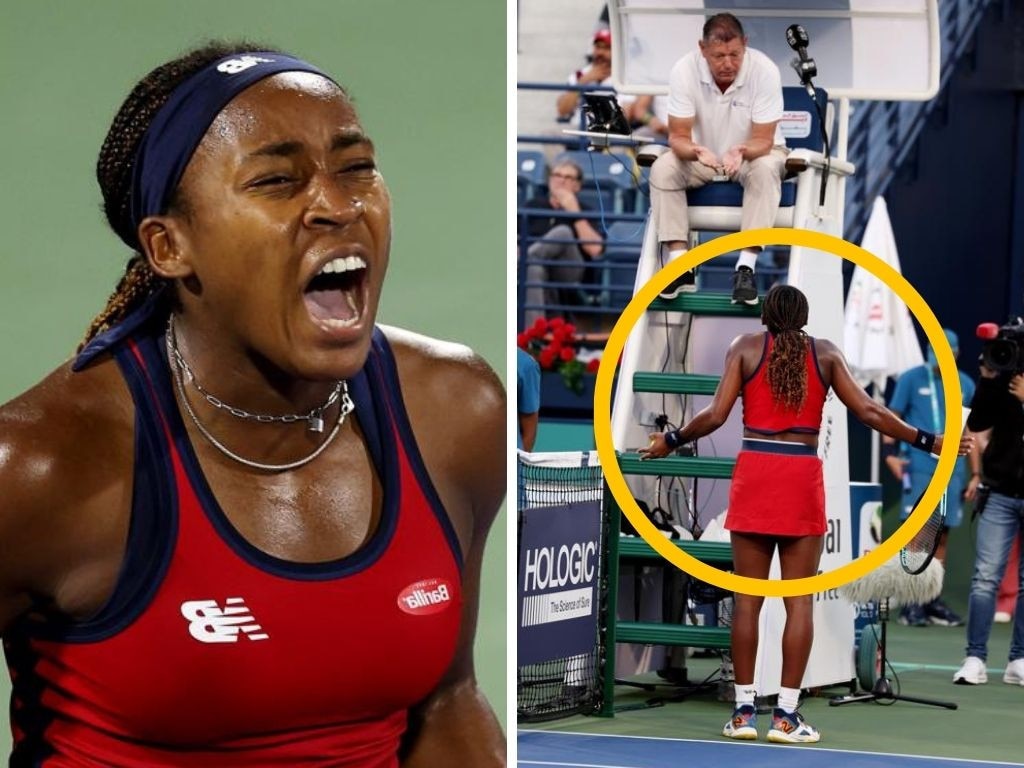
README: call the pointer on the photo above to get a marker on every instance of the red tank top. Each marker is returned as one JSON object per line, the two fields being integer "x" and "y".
{"x": 763, "y": 415}
{"x": 213, "y": 653}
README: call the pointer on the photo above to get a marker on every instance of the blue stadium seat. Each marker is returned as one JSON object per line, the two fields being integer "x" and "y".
{"x": 531, "y": 172}
{"x": 621, "y": 255}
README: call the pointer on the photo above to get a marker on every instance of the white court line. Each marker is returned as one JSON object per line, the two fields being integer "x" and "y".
{"x": 747, "y": 745}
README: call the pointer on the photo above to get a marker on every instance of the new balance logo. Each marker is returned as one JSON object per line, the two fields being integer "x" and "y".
{"x": 425, "y": 597}
{"x": 209, "y": 623}
{"x": 242, "y": 63}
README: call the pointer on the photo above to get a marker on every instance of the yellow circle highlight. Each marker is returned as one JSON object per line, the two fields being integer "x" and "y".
{"x": 606, "y": 448}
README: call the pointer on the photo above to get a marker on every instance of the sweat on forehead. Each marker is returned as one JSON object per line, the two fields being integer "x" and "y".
{"x": 243, "y": 113}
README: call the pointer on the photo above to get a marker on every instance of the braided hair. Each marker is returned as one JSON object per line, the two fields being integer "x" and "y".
{"x": 116, "y": 162}
{"x": 784, "y": 311}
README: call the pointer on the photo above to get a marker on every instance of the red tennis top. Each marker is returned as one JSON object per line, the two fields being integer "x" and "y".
{"x": 212, "y": 653}
{"x": 764, "y": 416}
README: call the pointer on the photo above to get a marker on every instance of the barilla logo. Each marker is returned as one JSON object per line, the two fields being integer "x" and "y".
{"x": 242, "y": 63}
{"x": 425, "y": 597}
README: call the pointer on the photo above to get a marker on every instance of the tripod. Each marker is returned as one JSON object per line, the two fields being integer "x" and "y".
{"x": 882, "y": 689}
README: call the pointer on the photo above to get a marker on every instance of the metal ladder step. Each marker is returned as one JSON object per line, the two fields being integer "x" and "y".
{"x": 671, "y": 634}
{"x": 717, "y": 304}
{"x": 675, "y": 383}
{"x": 677, "y": 466}
{"x": 635, "y": 547}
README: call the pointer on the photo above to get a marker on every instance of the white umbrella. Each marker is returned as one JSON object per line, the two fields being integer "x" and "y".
{"x": 878, "y": 335}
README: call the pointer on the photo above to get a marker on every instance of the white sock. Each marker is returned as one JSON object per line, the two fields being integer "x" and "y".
{"x": 748, "y": 259}
{"x": 744, "y": 694}
{"x": 675, "y": 253}
{"x": 789, "y": 699}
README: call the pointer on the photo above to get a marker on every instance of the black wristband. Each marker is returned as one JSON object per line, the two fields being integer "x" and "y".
{"x": 924, "y": 441}
{"x": 673, "y": 439}
{"x": 890, "y": 449}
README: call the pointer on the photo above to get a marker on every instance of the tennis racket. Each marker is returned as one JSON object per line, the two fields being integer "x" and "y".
{"x": 919, "y": 551}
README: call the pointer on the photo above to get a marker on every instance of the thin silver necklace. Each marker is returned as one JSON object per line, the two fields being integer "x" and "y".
{"x": 179, "y": 366}
{"x": 314, "y": 419}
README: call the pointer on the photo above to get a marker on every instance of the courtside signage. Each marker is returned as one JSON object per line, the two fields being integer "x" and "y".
{"x": 559, "y": 555}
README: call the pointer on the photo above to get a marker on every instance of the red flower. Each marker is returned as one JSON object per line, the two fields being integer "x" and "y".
{"x": 593, "y": 365}
{"x": 522, "y": 340}
{"x": 546, "y": 358}
{"x": 540, "y": 326}
{"x": 567, "y": 354}
{"x": 555, "y": 323}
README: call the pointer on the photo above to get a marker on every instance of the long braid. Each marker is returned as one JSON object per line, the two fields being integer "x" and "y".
{"x": 115, "y": 166}
{"x": 784, "y": 311}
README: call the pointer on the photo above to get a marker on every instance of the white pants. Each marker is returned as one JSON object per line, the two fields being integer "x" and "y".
{"x": 761, "y": 180}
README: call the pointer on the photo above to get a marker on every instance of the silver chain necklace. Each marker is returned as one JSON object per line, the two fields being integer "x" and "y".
{"x": 314, "y": 419}
{"x": 180, "y": 367}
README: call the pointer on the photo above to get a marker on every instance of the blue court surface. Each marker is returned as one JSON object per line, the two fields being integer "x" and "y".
{"x": 587, "y": 750}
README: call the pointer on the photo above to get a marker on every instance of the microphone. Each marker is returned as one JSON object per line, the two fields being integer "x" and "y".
{"x": 798, "y": 40}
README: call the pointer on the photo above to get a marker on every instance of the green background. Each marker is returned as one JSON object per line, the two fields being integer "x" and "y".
{"x": 428, "y": 80}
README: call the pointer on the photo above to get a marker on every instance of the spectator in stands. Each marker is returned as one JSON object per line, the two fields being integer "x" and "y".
{"x": 650, "y": 117}
{"x": 528, "y": 398}
{"x": 777, "y": 497}
{"x": 597, "y": 72}
{"x": 996, "y": 406}
{"x": 725, "y": 103}
{"x": 568, "y": 241}
{"x": 920, "y": 398}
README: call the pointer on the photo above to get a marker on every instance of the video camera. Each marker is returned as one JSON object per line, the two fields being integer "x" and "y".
{"x": 604, "y": 115}
{"x": 1003, "y": 350}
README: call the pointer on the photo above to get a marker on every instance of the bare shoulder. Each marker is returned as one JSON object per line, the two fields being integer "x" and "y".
{"x": 747, "y": 344}
{"x": 827, "y": 351}
{"x": 65, "y": 450}
{"x": 824, "y": 346}
{"x": 441, "y": 371}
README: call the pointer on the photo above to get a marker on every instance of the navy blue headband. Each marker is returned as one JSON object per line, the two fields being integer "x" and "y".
{"x": 181, "y": 123}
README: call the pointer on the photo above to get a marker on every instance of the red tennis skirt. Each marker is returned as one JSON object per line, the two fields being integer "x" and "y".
{"x": 777, "y": 489}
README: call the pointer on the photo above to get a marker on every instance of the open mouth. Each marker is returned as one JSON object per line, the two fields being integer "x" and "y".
{"x": 334, "y": 296}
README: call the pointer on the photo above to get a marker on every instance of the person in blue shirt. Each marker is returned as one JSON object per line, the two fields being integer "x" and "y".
{"x": 919, "y": 398}
{"x": 528, "y": 401}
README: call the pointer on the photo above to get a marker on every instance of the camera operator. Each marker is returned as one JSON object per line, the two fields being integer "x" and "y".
{"x": 998, "y": 491}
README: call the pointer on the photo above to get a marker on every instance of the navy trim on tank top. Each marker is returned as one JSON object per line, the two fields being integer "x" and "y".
{"x": 374, "y": 421}
{"x": 778, "y": 446}
{"x": 385, "y": 359}
{"x": 817, "y": 365}
{"x": 795, "y": 430}
{"x": 152, "y": 528}
{"x": 764, "y": 355}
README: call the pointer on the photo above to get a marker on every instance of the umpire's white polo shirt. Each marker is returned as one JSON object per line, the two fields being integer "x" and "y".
{"x": 723, "y": 119}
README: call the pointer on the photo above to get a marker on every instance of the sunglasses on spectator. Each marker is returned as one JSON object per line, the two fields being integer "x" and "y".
{"x": 569, "y": 176}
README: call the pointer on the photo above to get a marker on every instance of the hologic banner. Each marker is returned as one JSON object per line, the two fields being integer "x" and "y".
{"x": 559, "y": 553}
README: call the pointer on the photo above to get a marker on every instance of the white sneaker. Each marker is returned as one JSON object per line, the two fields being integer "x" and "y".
{"x": 1014, "y": 674}
{"x": 972, "y": 672}
{"x": 1002, "y": 617}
